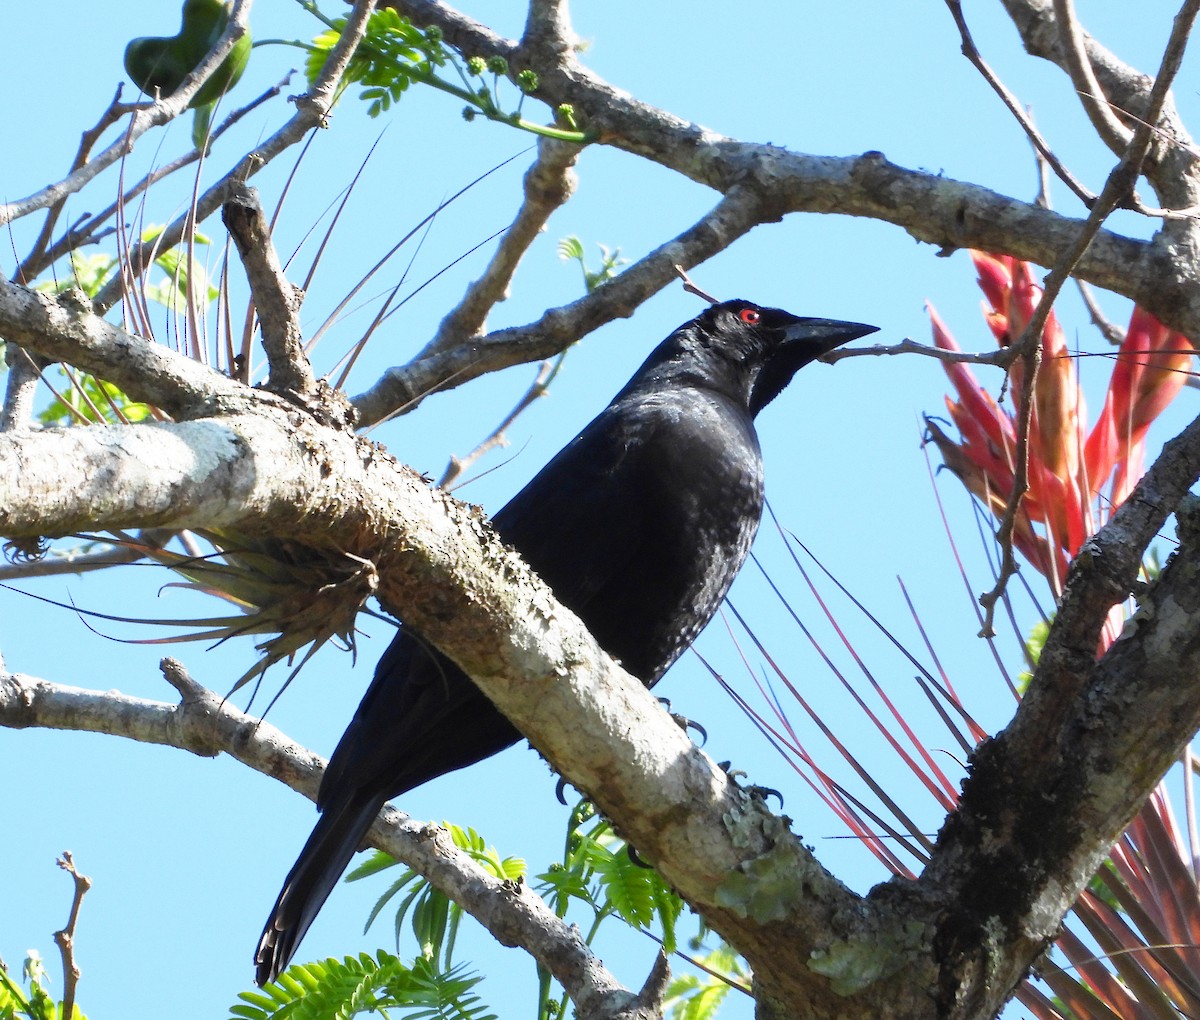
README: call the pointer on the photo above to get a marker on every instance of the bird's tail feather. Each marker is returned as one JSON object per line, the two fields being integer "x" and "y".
{"x": 333, "y": 842}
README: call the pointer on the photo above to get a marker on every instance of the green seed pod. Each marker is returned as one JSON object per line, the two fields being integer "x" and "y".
{"x": 161, "y": 63}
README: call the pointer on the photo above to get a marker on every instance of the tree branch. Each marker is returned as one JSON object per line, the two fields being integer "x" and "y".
{"x": 1076, "y": 63}
{"x": 65, "y": 329}
{"x": 402, "y": 389}
{"x": 1013, "y": 105}
{"x": 312, "y": 111}
{"x": 206, "y": 724}
{"x": 65, "y": 937}
{"x": 276, "y": 300}
{"x": 549, "y": 183}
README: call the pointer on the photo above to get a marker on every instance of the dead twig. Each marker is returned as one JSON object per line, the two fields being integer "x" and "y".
{"x": 691, "y": 288}
{"x": 971, "y": 52}
{"x": 541, "y": 383}
{"x": 65, "y": 938}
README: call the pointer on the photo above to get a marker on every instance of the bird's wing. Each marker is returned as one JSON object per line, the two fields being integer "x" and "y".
{"x": 583, "y": 518}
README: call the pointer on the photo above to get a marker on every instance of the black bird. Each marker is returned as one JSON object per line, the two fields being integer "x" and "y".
{"x": 639, "y": 525}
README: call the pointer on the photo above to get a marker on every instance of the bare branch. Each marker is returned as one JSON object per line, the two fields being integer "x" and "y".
{"x": 85, "y": 231}
{"x": 1114, "y": 134}
{"x": 1001, "y": 358}
{"x": 207, "y": 724}
{"x": 402, "y": 389}
{"x": 145, "y": 118}
{"x": 692, "y": 288}
{"x": 65, "y": 329}
{"x": 458, "y": 465}
{"x": 1113, "y": 333}
{"x": 971, "y": 52}
{"x": 65, "y": 938}
{"x": 275, "y": 298}
{"x": 549, "y": 183}
{"x": 24, "y": 371}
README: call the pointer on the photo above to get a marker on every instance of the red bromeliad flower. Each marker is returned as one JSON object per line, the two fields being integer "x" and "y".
{"x": 1068, "y": 468}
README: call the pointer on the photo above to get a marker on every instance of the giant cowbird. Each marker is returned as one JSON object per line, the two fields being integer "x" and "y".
{"x": 639, "y": 525}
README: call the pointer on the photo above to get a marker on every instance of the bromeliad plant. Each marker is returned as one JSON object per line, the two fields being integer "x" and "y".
{"x": 1142, "y": 911}
{"x": 1076, "y": 477}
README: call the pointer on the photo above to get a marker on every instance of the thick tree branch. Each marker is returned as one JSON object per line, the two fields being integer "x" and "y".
{"x": 65, "y": 329}
{"x": 1047, "y": 797}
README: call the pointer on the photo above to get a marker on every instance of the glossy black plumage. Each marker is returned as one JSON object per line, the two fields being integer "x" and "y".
{"x": 639, "y": 525}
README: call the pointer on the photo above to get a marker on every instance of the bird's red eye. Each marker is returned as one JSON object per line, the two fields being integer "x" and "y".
{"x": 750, "y": 316}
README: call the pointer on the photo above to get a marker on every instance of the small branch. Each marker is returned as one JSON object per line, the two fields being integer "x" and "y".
{"x": 65, "y": 329}
{"x": 1171, "y": 170}
{"x": 1031, "y": 347}
{"x": 145, "y": 117}
{"x": 1070, "y": 36}
{"x": 458, "y": 465}
{"x": 276, "y": 299}
{"x": 65, "y": 939}
{"x": 84, "y": 232}
{"x": 116, "y": 110}
{"x": 321, "y": 96}
{"x": 971, "y": 52}
{"x": 549, "y": 183}
{"x": 403, "y": 388}
{"x": 692, "y": 288}
{"x": 207, "y": 724}
{"x": 1113, "y": 333}
{"x": 24, "y": 372}
{"x": 1001, "y": 358}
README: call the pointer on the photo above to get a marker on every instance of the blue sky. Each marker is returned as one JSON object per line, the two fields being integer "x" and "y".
{"x": 187, "y": 854}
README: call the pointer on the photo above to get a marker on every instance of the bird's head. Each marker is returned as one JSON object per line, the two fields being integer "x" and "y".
{"x": 748, "y": 351}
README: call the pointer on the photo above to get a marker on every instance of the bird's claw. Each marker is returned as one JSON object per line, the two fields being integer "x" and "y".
{"x": 759, "y": 793}
{"x": 684, "y": 723}
{"x": 633, "y": 856}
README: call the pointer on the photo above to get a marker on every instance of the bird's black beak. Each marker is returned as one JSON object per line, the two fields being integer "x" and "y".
{"x": 804, "y": 341}
{"x": 813, "y": 337}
